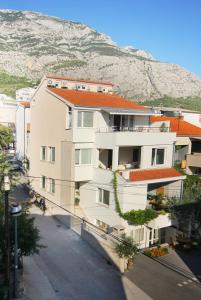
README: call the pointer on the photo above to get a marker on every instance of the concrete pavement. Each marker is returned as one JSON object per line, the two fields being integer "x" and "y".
{"x": 68, "y": 268}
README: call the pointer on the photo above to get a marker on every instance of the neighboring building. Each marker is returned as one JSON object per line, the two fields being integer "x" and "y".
{"x": 8, "y": 116}
{"x": 78, "y": 138}
{"x": 79, "y": 84}
{"x": 188, "y": 142}
{"x": 25, "y": 94}
{"x": 7, "y": 111}
{"x": 22, "y": 130}
{"x": 190, "y": 116}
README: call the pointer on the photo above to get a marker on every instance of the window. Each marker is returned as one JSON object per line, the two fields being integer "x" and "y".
{"x": 82, "y": 156}
{"x": 85, "y": 119}
{"x": 103, "y": 196}
{"x": 157, "y": 156}
{"x": 43, "y": 153}
{"x": 138, "y": 235}
{"x": 69, "y": 118}
{"x": 52, "y": 185}
{"x": 52, "y": 154}
{"x": 43, "y": 183}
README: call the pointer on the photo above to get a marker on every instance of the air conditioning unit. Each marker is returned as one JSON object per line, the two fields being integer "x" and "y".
{"x": 118, "y": 230}
{"x": 49, "y": 82}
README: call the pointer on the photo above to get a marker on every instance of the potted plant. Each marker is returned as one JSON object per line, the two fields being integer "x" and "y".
{"x": 127, "y": 249}
{"x": 77, "y": 201}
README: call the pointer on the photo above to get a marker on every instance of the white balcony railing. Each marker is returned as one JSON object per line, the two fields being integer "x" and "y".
{"x": 134, "y": 129}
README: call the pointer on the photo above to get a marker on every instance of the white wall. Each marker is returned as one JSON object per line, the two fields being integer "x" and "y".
{"x": 193, "y": 118}
{"x": 22, "y": 140}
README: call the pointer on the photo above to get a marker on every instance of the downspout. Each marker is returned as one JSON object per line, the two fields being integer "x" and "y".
{"x": 24, "y": 133}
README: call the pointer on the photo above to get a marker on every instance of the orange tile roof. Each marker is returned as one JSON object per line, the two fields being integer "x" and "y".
{"x": 152, "y": 174}
{"x": 91, "y": 99}
{"x": 26, "y": 104}
{"x": 53, "y": 76}
{"x": 178, "y": 125}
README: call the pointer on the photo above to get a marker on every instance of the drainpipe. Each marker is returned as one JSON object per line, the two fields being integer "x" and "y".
{"x": 24, "y": 133}
{"x": 173, "y": 154}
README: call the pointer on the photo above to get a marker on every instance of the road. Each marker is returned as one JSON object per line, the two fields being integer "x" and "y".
{"x": 161, "y": 283}
{"x": 68, "y": 268}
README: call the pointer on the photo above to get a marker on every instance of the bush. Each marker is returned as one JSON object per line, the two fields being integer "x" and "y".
{"x": 156, "y": 252}
{"x": 127, "y": 248}
{"x": 140, "y": 217}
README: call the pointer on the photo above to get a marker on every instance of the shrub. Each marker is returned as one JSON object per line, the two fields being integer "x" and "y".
{"x": 126, "y": 248}
{"x": 156, "y": 252}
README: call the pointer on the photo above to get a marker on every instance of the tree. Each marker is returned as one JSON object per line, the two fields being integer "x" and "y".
{"x": 127, "y": 249}
{"x": 6, "y": 137}
{"x": 28, "y": 233}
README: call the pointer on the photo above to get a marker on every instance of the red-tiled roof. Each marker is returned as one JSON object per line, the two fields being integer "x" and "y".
{"x": 152, "y": 174}
{"x": 53, "y": 76}
{"x": 178, "y": 125}
{"x": 91, "y": 99}
{"x": 26, "y": 104}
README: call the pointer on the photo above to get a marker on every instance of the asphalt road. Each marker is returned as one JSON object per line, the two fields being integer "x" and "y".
{"x": 161, "y": 283}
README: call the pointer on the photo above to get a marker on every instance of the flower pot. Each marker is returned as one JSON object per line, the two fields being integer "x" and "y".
{"x": 130, "y": 263}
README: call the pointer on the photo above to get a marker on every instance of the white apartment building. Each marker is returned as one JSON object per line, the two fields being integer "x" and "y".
{"x": 22, "y": 130}
{"x": 7, "y": 111}
{"x": 78, "y": 138}
{"x": 25, "y": 94}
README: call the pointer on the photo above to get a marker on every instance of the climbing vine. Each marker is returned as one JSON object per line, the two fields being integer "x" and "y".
{"x": 133, "y": 217}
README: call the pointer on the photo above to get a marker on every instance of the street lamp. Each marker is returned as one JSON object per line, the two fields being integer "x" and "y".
{"x": 15, "y": 211}
{"x": 7, "y": 232}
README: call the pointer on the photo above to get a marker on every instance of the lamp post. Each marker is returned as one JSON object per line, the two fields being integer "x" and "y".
{"x": 15, "y": 211}
{"x": 7, "y": 233}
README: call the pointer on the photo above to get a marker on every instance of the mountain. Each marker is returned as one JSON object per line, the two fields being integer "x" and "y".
{"x": 32, "y": 44}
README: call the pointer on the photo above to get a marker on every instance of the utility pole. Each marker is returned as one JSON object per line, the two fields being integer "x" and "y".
{"x": 7, "y": 234}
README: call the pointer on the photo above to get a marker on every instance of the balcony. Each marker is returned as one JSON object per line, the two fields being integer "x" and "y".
{"x": 133, "y": 129}
{"x": 108, "y": 139}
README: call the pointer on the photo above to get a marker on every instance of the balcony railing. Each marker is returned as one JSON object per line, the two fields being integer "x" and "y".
{"x": 150, "y": 129}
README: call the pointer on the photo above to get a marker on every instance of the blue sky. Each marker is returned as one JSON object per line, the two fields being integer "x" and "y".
{"x": 169, "y": 29}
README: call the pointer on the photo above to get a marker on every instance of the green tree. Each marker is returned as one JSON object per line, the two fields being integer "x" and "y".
{"x": 28, "y": 233}
{"x": 6, "y": 137}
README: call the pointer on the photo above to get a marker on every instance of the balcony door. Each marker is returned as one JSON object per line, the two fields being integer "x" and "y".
{"x": 117, "y": 122}
{"x": 137, "y": 156}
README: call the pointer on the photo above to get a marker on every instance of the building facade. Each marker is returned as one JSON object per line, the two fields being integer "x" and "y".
{"x": 23, "y": 131}
{"x": 79, "y": 138}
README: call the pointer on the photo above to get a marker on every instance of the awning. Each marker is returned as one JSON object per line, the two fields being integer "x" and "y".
{"x": 134, "y": 112}
{"x": 182, "y": 140}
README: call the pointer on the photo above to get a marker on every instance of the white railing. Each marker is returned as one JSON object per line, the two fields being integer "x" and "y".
{"x": 134, "y": 129}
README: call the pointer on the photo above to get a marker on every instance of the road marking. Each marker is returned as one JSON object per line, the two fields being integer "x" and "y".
{"x": 189, "y": 280}
{"x": 179, "y": 284}
{"x": 185, "y": 282}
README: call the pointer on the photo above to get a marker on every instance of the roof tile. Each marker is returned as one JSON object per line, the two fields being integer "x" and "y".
{"x": 92, "y": 99}
{"x": 152, "y": 174}
{"x": 179, "y": 126}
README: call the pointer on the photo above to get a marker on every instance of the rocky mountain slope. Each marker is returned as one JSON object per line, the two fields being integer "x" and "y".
{"x": 32, "y": 44}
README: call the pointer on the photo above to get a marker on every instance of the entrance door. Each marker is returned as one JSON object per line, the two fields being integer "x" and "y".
{"x": 162, "y": 235}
